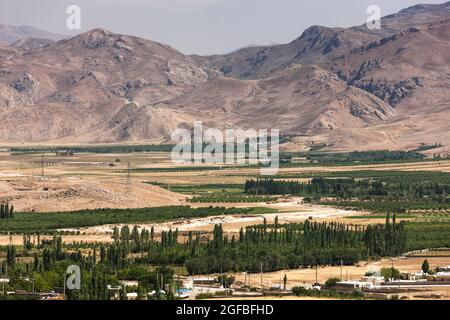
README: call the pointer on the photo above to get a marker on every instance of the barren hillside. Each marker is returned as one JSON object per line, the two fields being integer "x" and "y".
{"x": 301, "y": 99}
{"x": 353, "y": 88}
{"x": 98, "y": 86}
{"x": 320, "y": 44}
{"x": 11, "y": 34}
{"x": 71, "y": 194}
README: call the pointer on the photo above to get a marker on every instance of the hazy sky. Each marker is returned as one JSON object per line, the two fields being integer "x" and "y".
{"x": 200, "y": 26}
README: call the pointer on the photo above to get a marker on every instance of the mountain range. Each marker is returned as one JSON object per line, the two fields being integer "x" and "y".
{"x": 11, "y": 34}
{"x": 350, "y": 88}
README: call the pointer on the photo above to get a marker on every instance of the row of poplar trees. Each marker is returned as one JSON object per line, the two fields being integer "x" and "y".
{"x": 6, "y": 211}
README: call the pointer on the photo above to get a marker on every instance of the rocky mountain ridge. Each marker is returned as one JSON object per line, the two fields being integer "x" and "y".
{"x": 352, "y": 88}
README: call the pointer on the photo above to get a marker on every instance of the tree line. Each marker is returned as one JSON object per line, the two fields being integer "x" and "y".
{"x": 268, "y": 246}
{"x": 6, "y": 211}
{"x": 352, "y": 187}
{"x": 265, "y": 247}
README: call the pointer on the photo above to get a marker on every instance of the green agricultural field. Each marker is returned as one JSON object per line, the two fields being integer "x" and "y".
{"x": 51, "y": 221}
{"x": 94, "y": 149}
{"x": 376, "y": 191}
{"x": 426, "y": 235}
{"x": 224, "y": 198}
{"x": 203, "y": 188}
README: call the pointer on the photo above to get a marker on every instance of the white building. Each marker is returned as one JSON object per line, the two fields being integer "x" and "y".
{"x": 128, "y": 283}
{"x": 132, "y": 296}
{"x": 443, "y": 269}
{"x": 352, "y": 285}
{"x": 440, "y": 276}
{"x": 413, "y": 276}
{"x": 374, "y": 280}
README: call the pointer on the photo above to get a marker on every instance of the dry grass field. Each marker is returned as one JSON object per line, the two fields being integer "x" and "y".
{"x": 307, "y": 276}
{"x": 101, "y": 180}
{"x": 301, "y": 277}
{"x": 85, "y": 181}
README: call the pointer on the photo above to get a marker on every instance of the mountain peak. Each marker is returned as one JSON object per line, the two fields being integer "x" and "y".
{"x": 101, "y": 38}
{"x": 101, "y": 86}
{"x": 426, "y": 7}
{"x": 316, "y": 30}
{"x": 98, "y": 32}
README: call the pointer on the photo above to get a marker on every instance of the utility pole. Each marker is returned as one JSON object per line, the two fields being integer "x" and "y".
{"x": 42, "y": 166}
{"x": 341, "y": 268}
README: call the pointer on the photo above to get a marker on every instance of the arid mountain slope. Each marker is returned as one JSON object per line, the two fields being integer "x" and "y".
{"x": 409, "y": 17}
{"x": 6, "y": 52}
{"x": 393, "y": 68}
{"x": 104, "y": 87}
{"x": 411, "y": 72}
{"x": 301, "y": 99}
{"x": 11, "y": 34}
{"x": 31, "y": 44}
{"x": 405, "y": 64}
{"x": 97, "y": 86}
{"x": 318, "y": 44}
{"x": 352, "y": 88}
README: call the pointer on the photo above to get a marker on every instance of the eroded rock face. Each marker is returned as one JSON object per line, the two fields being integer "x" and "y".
{"x": 381, "y": 42}
{"x": 27, "y": 86}
{"x": 325, "y": 39}
{"x": 367, "y": 67}
{"x": 26, "y": 83}
{"x": 368, "y": 114}
{"x": 185, "y": 73}
{"x": 391, "y": 92}
{"x": 127, "y": 89}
